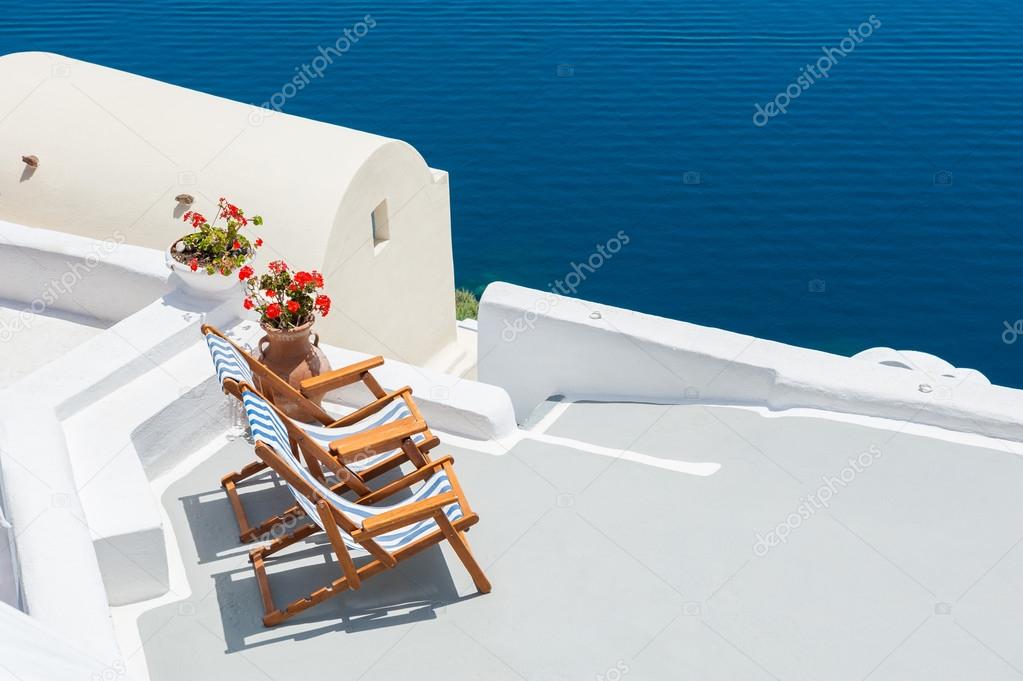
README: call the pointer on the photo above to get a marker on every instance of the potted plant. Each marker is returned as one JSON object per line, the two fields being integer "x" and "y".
{"x": 206, "y": 258}
{"x": 288, "y": 302}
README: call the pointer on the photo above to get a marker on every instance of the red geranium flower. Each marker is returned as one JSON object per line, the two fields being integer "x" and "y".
{"x": 229, "y": 211}
{"x": 323, "y": 305}
{"x": 216, "y": 247}
{"x": 194, "y": 217}
{"x": 283, "y": 296}
{"x": 259, "y": 243}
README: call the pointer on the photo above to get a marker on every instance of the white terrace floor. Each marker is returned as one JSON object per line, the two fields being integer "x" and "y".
{"x": 609, "y": 567}
{"x": 33, "y": 340}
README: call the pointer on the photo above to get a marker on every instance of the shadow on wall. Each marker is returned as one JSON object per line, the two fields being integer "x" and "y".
{"x": 201, "y": 413}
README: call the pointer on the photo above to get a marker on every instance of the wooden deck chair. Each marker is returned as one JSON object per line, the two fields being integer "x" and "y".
{"x": 395, "y": 409}
{"x": 436, "y": 512}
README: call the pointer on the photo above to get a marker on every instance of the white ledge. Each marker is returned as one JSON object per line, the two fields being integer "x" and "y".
{"x": 536, "y": 344}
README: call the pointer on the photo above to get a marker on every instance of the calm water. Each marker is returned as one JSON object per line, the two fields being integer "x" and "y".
{"x": 562, "y": 123}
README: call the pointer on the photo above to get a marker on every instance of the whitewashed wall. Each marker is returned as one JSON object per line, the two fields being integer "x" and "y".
{"x": 60, "y": 577}
{"x": 535, "y": 344}
{"x": 115, "y": 149}
{"x": 106, "y": 279}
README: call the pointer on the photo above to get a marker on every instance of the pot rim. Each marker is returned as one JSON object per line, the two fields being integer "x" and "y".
{"x": 174, "y": 262}
{"x": 296, "y": 329}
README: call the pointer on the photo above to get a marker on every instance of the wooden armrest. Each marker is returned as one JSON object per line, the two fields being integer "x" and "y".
{"x": 379, "y": 439}
{"x": 406, "y": 515}
{"x": 338, "y": 378}
{"x": 371, "y": 408}
{"x": 419, "y": 475}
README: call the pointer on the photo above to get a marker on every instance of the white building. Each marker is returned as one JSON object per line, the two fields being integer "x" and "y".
{"x": 656, "y": 499}
{"x": 115, "y": 149}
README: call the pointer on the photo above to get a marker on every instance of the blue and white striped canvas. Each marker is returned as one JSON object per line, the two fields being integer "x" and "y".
{"x": 392, "y": 412}
{"x": 229, "y": 363}
{"x": 267, "y": 427}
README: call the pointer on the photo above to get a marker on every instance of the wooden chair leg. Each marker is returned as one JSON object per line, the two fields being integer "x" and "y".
{"x": 461, "y": 546}
{"x": 310, "y": 461}
{"x": 412, "y": 452}
{"x": 338, "y": 543}
{"x": 245, "y": 532}
{"x": 229, "y": 482}
{"x": 271, "y": 615}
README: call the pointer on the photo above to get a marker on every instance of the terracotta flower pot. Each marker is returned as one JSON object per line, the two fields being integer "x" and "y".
{"x": 294, "y": 355}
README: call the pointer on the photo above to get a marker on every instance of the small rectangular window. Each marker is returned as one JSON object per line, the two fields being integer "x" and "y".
{"x": 381, "y": 228}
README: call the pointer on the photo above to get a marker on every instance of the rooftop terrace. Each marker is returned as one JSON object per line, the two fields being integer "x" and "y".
{"x": 894, "y": 559}
{"x": 657, "y": 499}
{"x": 37, "y": 338}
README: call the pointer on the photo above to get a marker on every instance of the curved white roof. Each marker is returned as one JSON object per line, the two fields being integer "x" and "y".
{"x": 117, "y": 148}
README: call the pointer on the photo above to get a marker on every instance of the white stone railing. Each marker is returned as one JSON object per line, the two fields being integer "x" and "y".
{"x": 536, "y": 344}
{"x": 60, "y": 576}
{"x": 105, "y": 279}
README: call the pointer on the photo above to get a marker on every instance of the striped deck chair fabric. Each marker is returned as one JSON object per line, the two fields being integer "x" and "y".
{"x": 228, "y": 363}
{"x": 268, "y": 428}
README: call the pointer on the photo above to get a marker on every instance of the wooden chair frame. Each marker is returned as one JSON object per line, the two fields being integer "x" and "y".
{"x": 332, "y": 521}
{"x": 273, "y": 386}
{"x": 348, "y": 449}
{"x": 392, "y": 436}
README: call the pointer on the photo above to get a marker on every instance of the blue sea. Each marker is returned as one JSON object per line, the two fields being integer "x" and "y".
{"x": 880, "y": 205}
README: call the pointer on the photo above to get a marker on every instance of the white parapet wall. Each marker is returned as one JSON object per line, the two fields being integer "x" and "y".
{"x": 60, "y": 581}
{"x": 535, "y": 344}
{"x": 103, "y": 278}
{"x": 115, "y": 150}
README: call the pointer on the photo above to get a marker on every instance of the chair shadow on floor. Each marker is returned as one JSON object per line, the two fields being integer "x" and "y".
{"x": 212, "y": 522}
{"x": 411, "y": 592}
